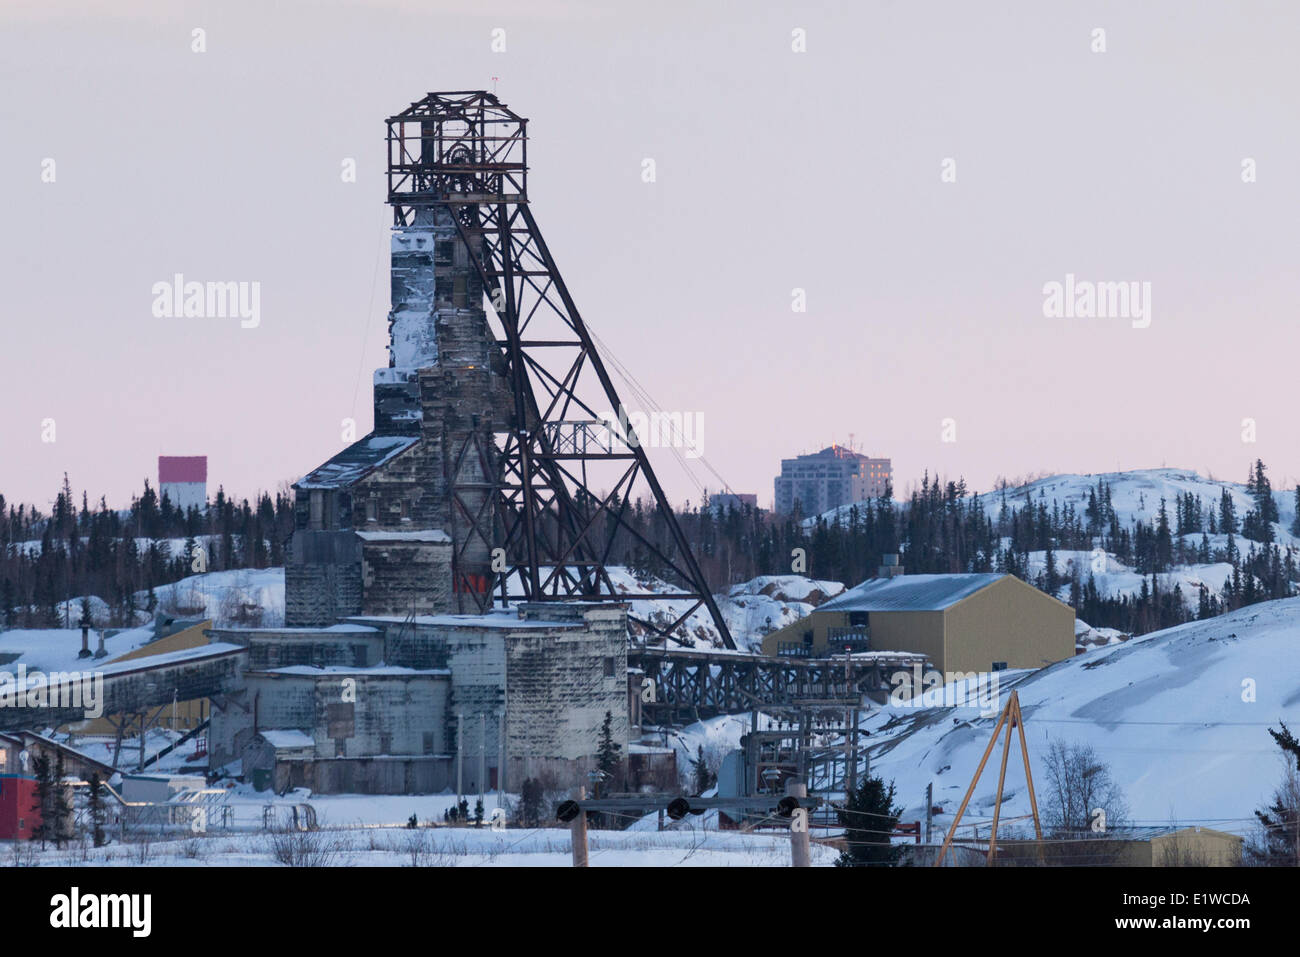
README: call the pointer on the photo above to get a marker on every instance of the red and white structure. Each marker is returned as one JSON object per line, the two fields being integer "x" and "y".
{"x": 184, "y": 480}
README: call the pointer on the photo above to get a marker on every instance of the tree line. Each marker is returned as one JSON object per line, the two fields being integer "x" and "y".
{"x": 943, "y": 528}
{"x": 46, "y": 559}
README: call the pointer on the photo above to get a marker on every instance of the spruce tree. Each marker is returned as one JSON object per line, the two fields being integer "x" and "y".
{"x": 95, "y": 805}
{"x": 704, "y": 778}
{"x": 869, "y": 819}
{"x": 1163, "y": 542}
{"x": 41, "y": 809}
{"x": 531, "y": 795}
{"x": 1280, "y": 821}
{"x": 608, "y": 757}
{"x": 60, "y": 809}
{"x": 1227, "y": 514}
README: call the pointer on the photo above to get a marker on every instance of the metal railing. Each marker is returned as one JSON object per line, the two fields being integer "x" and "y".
{"x": 859, "y": 635}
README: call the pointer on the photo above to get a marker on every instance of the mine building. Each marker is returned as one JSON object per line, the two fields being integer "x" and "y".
{"x": 960, "y": 622}
{"x": 398, "y": 670}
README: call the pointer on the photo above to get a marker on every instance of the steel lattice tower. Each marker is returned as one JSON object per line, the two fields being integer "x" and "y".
{"x": 461, "y": 158}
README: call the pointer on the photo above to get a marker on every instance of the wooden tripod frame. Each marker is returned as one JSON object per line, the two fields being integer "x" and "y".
{"x": 1012, "y": 718}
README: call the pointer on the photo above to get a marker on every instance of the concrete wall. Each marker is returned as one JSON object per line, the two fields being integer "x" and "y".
{"x": 353, "y": 647}
{"x": 558, "y": 689}
{"x": 382, "y": 713}
{"x": 394, "y": 775}
{"x": 405, "y": 577}
{"x": 322, "y": 576}
{"x": 1008, "y": 621}
{"x": 391, "y": 715}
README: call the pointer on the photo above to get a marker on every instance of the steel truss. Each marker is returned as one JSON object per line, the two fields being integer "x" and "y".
{"x": 693, "y": 685}
{"x": 466, "y": 153}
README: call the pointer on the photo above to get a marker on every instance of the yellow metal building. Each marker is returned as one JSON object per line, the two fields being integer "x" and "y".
{"x": 963, "y": 623}
{"x": 183, "y": 715}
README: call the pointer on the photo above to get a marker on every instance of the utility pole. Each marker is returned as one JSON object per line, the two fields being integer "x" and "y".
{"x": 482, "y": 754}
{"x": 501, "y": 761}
{"x": 800, "y": 840}
{"x": 929, "y": 809}
{"x": 578, "y": 830}
{"x": 460, "y": 757}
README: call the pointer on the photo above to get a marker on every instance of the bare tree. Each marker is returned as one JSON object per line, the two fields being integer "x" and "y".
{"x": 1079, "y": 785}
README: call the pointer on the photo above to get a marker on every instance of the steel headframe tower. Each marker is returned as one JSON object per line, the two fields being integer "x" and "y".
{"x": 465, "y": 154}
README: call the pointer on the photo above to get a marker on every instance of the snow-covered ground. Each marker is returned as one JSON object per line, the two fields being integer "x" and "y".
{"x": 1136, "y": 495}
{"x": 1087, "y": 637}
{"x": 56, "y": 649}
{"x": 1180, "y": 716}
{"x": 375, "y": 837}
{"x": 761, "y": 605}
{"x": 751, "y": 609}
{"x": 226, "y": 596}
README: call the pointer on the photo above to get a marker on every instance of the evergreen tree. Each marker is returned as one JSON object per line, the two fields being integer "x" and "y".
{"x": 531, "y": 795}
{"x": 1227, "y": 514}
{"x": 1280, "y": 821}
{"x": 608, "y": 757}
{"x": 95, "y": 806}
{"x": 1164, "y": 550}
{"x": 869, "y": 819}
{"x": 60, "y": 808}
{"x": 41, "y": 770}
{"x": 1051, "y": 580}
{"x": 704, "y": 778}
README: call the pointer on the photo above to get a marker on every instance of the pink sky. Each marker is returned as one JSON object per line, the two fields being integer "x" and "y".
{"x": 775, "y": 170}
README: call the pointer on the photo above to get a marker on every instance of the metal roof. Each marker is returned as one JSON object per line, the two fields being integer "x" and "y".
{"x": 910, "y": 593}
{"x": 357, "y": 461}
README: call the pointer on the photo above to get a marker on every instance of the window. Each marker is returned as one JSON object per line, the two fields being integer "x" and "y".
{"x": 372, "y": 510}
{"x": 385, "y": 743}
{"x": 428, "y": 742}
{"x": 858, "y": 618}
{"x": 317, "y": 508}
{"x": 609, "y": 666}
{"x": 444, "y": 250}
{"x": 999, "y": 666}
{"x": 808, "y": 638}
{"x": 458, "y": 291}
{"x": 406, "y": 510}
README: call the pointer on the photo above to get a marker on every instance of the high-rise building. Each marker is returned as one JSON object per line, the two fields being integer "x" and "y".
{"x": 832, "y": 477}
